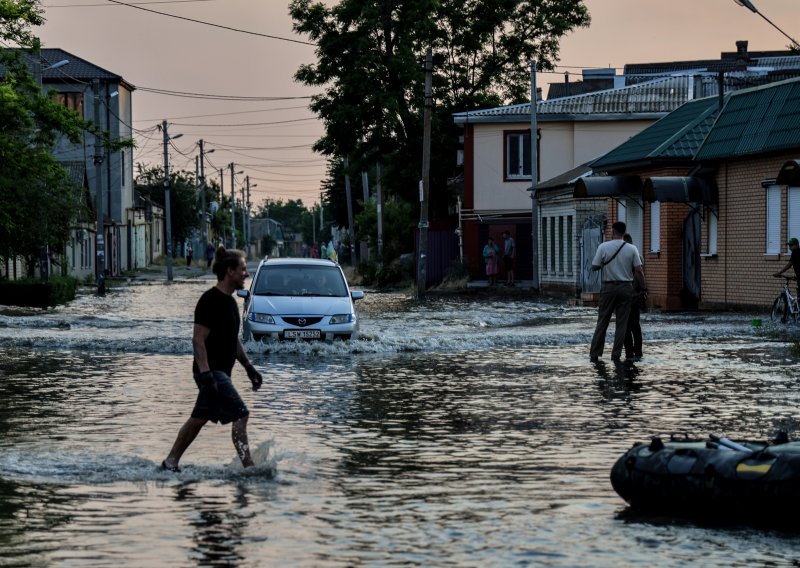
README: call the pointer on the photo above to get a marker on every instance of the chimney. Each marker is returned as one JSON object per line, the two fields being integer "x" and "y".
{"x": 741, "y": 52}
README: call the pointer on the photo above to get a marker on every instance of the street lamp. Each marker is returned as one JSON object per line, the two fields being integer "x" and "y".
{"x": 749, "y": 5}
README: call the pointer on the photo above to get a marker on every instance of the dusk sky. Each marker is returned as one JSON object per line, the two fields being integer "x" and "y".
{"x": 271, "y": 139}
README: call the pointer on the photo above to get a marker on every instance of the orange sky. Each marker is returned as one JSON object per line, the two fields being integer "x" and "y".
{"x": 149, "y": 50}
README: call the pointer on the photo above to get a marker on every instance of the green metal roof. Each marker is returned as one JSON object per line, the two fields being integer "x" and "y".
{"x": 754, "y": 121}
{"x": 678, "y": 136}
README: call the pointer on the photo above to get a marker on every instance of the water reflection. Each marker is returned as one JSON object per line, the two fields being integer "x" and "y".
{"x": 474, "y": 431}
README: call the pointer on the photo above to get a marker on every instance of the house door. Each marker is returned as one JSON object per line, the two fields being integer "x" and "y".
{"x": 690, "y": 294}
{"x": 591, "y": 237}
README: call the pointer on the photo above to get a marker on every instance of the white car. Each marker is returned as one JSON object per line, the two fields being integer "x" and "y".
{"x": 299, "y": 298}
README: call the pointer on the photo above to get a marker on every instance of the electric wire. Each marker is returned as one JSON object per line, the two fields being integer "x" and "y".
{"x": 213, "y": 24}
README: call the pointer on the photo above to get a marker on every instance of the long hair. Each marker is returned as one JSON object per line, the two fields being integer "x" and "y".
{"x": 225, "y": 259}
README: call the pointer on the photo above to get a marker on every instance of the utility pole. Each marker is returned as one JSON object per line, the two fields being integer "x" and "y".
{"x": 233, "y": 209}
{"x": 166, "y": 198}
{"x": 203, "y": 225}
{"x": 98, "y": 198}
{"x": 350, "y": 232}
{"x": 426, "y": 166}
{"x": 244, "y": 219}
{"x": 534, "y": 181}
{"x": 222, "y": 196}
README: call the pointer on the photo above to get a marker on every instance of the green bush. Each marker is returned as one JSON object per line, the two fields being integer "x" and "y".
{"x": 35, "y": 293}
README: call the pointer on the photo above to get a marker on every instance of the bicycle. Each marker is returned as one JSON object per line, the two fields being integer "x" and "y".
{"x": 785, "y": 305}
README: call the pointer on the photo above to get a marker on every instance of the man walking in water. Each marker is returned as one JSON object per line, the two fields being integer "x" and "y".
{"x": 620, "y": 264}
{"x": 216, "y": 346}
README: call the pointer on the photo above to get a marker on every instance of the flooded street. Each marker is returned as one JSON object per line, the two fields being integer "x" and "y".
{"x": 460, "y": 431}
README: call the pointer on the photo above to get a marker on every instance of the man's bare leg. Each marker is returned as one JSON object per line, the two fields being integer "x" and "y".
{"x": 186, "y": 436}
{"x": 239, "y": 436}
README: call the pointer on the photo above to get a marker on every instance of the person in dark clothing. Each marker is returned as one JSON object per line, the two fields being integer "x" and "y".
{"x": 794, "y": 260}
{"x": 216, "y": 346}
{"x": 189, "y": 255}
{"x": 209, "y": 255}
{"x": 633, "y": 336}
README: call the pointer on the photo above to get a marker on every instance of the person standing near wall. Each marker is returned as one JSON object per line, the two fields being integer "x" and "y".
{"x": 620, "y": 264}
{"x": 509, "y": 254}
{"x": 491, "y": 253}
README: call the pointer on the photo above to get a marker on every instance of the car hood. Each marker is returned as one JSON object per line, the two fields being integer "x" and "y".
{"x": 301, "y": 305}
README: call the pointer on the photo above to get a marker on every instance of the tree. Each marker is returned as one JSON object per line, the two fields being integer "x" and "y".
{"x": 183, "y": 197}
{"x": 369, "y": 63}
{"x": 292, "y": 214}
{"x": 38, "y": 201}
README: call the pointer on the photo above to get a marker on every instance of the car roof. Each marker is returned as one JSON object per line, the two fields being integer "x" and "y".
{"x": 297, "y": 262}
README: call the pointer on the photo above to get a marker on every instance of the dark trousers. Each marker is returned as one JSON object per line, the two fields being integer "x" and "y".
{"x": 633, "y": 337}
{"x": 615, "y": 299}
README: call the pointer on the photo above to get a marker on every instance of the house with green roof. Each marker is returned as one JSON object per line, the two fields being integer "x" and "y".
{"x": 716, "y": 187}
{"x": 572, "y": 132}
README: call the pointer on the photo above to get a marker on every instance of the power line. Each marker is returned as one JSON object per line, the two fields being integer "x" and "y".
{"x": 247, "y": 124}
{"x": 211, "y": 24}
{"x": 224, "y": 113}
{"x": 190, "y": 95}
{"x": 132, "y": 3}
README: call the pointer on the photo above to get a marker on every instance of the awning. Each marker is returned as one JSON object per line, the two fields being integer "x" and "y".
{"x": 680, "y": 189}
{"x": 789, "y": 174}
{"x": 607, "y": 186}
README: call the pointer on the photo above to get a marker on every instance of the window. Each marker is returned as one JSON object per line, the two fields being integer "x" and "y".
{"x": 711, "y": 227}
{"x": 569, "y": 245}
{"x": 552, "y": 244}
{"x": 655, "y": 226}
{"x": 544, "y": 244}
{"x": 634, "y": 213}
{"x": 561, "y": 244}
{"x": 518, "y": 155}
{"x": 622, "y": 211}
{"x": 73, "y": 101}
{"x": 793, "y": 214}
{"x": 773, "y": 220}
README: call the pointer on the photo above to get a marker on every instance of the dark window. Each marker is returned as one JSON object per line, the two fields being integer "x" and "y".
{"x": 517, "y": 155}
{"x": 72, "y": 101}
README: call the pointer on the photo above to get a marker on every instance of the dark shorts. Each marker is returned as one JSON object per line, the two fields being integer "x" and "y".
{"x": 508, "y": 261}
{"x": 224, "y": 407}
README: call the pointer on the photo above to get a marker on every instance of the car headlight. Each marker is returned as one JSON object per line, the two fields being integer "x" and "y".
{"x": 260, "y": 318}
{"x": 341, "y": 318}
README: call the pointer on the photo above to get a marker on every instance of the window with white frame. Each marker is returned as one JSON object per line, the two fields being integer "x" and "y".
{"x": 518, "y": 155}
{"x": 634, "y": 214}
{"x": 712, "y": 215}
{"x": 773, "y": 236}
{"x": 793, "y": 214}
{"x": 655, "y": 226}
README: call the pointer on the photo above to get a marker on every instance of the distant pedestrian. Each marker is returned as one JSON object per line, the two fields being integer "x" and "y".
{"x": 491, "y": 254}
{"x": 509, "y": 254}
{"x": 209, "y": 255}
{"x": 620, "y": 264}
{"x": 633, "y": 336}
{"x": 189, "y": 254}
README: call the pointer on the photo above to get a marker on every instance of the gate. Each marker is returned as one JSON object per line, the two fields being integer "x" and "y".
{"x": 591, "y": 237}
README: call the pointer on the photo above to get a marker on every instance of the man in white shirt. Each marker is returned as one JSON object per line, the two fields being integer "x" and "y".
{"x": 620, "y": 264}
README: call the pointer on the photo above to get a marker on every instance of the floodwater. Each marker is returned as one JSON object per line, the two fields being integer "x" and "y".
{"x": 456, "y": 432}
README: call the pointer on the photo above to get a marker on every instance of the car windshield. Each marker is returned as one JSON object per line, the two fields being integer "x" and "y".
{"x": 300, "y": 280}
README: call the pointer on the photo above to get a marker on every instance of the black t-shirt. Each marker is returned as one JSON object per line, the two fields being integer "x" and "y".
{"x": 218, "y": 312}
{"x": 796, "y": 261}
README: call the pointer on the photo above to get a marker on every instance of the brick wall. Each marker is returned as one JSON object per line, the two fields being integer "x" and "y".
{"x": 741, "y": 273}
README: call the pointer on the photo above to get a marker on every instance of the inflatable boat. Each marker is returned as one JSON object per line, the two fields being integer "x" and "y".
{"x": 711, "y": 477}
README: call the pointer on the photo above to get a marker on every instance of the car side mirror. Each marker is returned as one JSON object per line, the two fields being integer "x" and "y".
{"x": 357, "y": 294}
{"x": 243, "y": 293}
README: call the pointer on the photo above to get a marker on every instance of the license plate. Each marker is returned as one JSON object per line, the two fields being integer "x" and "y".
{"x": 302, "y": 334}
